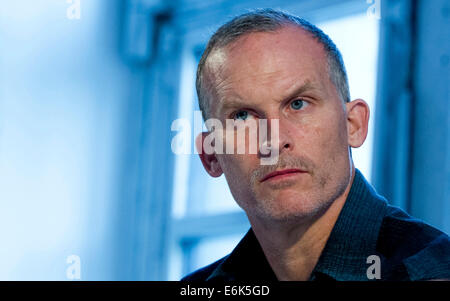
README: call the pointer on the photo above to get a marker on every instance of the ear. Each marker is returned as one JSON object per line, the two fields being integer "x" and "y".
{"x": 357, "y": 122}
{"x": 209, "y": 161}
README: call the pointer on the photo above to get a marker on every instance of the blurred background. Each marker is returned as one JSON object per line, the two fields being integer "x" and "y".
{"x": 89, "y": 186}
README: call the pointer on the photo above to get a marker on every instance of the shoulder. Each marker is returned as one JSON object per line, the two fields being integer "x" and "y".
{"x": 203, "y": 273}
{"x": 412, "y": 247}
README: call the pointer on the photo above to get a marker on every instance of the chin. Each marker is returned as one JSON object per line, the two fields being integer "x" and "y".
{"x": 286, "y": 207}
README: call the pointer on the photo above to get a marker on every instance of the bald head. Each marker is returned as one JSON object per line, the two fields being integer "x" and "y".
{"x": 232, "y": 34}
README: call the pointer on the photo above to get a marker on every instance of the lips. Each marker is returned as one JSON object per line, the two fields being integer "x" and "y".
{"x": 281, "y": 172}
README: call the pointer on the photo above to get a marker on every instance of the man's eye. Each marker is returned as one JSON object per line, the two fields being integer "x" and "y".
{"x": 242, "y": 115}
{"x": 298, "y": 104}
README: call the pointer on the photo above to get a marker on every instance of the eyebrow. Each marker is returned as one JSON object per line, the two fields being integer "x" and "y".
{"x": 304, "y": 87}
{"x": 236, "y": 101}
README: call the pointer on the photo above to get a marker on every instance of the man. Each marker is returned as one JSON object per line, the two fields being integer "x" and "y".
{"x": 313, "y": 216}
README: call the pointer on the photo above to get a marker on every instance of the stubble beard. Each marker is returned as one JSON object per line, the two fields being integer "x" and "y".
{"x": 303, "y": 203}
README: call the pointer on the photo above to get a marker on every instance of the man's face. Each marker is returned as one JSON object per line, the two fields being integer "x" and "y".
{"x": 282, "y": 75}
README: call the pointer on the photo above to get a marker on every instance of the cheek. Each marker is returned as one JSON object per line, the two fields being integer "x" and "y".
{"x": 237, "y": 170}
{"x": 336, "y": 145}
{"x": 328, "y": 139}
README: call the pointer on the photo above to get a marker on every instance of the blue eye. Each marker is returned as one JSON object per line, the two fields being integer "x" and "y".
{"x": 243, "y": 115}
{"x": 297, "y": 104}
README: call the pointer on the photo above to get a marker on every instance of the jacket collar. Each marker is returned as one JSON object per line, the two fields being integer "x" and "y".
{"x": 354, "y": 236}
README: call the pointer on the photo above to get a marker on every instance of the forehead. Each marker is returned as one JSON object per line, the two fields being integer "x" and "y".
{"x": 267, "y": 62}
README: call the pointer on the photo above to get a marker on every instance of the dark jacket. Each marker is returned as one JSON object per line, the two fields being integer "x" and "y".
{"x": 407, "y": 248}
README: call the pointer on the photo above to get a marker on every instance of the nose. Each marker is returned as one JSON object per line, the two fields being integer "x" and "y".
{"x": 279, "y": 140}
{"x": 285, "y": 140}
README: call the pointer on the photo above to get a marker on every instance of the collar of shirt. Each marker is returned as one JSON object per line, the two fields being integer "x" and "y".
{"x": 355, "y": 234}
{"x": 352, "y": 240}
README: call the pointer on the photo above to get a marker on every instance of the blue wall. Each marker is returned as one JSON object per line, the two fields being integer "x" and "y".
{"x": 63, "y": 91}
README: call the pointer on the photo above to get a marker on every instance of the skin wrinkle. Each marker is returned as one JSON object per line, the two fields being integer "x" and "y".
{"x": 217, "y": 61}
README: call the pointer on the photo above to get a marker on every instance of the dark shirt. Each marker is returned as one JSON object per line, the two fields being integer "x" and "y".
{"x": 408, "y": 248}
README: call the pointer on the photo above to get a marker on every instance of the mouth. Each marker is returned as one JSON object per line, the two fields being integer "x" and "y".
{"x": 281, "y": 174}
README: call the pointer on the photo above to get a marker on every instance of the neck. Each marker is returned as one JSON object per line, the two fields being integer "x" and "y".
{"x": 293, "y": 250}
